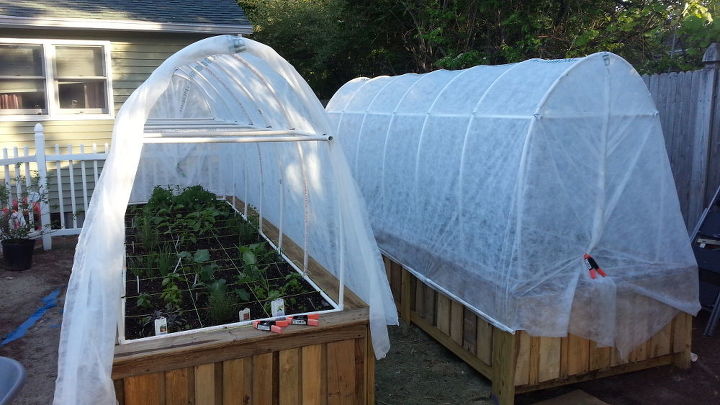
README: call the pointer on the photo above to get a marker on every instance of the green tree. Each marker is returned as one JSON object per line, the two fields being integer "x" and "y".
{"x": 332, "y": 41}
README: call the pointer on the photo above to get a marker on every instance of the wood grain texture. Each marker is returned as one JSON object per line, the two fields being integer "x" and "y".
{"x": 208, "y": 384}
{"x": 522, "y": 365}
{"x": 469, "y": 331}
{"x": 682, "y": 337}
{"x": 237, "y": 381}
{"x": 484, "y": 341}
{"x": 360, "y": 371}
{"x": 314, "y": 377}
{"x": 429, "y": 304}
{"x": 341, "y": 372}
{"x": 119, "y": 391}
{"x": 549, "y": 358}
{"x": 443, "y": 313}
{"x": 534, "y": 359}
{"x": 180, "y": 386}
{"x": 419, "y": 301}
{"x": 232, "y": 343}
{"x": 578, "y": 355}
{"x": 405, "y": 292}
{"x": 262, "y": 381}
{"x": 504, "y": 356}
{"x": 456, "y": 322}
{"x": 599, "y": 356}
{"x": 289, "y": 377}
{"x": 148, "y": 389}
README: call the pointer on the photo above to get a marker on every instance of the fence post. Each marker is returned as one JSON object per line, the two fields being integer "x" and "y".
{"x": 42, "y": 174}
{"x": 711, "y": 60}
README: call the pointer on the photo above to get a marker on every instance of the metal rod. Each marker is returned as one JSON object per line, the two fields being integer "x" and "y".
{"x": 195, "y": 125}
{"x": 237, "y": 139}
{"x": 231, "y": 132}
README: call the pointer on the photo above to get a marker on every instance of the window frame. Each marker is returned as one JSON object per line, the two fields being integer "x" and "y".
{"x": 51, "y": 78}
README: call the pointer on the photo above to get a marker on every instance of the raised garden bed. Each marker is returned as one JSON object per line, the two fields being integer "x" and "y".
{"x": 196, "y": 262}
{"x": 518, "y": 363}
{"x": 210, "y": 356}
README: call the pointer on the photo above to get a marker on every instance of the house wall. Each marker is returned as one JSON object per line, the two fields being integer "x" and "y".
{"x": 133, "y": 57}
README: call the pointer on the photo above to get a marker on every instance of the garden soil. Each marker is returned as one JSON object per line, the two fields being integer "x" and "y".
{"x": 417, "y": 370}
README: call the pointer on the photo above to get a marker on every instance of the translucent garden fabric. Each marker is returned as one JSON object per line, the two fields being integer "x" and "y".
{"x": 493, "y": 182}
{"x": 305, "y": 188}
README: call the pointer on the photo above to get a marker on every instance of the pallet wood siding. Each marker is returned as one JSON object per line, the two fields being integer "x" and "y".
{"x": 517, "y": 363}
{"x": 331, "y": 364}
{"x": 133, "y": 57}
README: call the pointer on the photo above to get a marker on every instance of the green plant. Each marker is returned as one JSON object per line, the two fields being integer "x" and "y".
{"x": 134, "y": 265}
{"x": 195, "y": 197}
{"x": 146, "y": 232}
{"x": 160, "y": 198}
{"x": 166, "y": 260}
{"x": 247, "y": 230}
{"x": 221, "y": 303}
{"x": 171, "y": 293}
{"x": 21, "y": 216}
{"x": 143, "y": 301}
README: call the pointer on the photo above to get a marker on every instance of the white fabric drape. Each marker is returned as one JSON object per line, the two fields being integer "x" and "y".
{"x": 245, "y": 82}
{"x": 493, "y": 182}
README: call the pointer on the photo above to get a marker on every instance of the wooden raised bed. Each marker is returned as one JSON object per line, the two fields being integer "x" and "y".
{"x": 518, "y": 363}
{"x": 329, "y": 364}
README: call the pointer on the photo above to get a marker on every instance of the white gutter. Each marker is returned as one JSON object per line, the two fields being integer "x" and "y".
{"x": 120, "y": 25}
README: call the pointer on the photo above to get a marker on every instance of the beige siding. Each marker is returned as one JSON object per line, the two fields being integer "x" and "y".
{"x": 134, "y": 56}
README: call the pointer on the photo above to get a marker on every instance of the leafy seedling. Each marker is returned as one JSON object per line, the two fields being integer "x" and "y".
{"x": 221, "y": 303}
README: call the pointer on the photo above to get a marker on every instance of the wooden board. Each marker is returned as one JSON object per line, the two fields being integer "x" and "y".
{"x": 519, "y": 362}
{"x": 310, "y": 365}
{"x": 327, "y": 373}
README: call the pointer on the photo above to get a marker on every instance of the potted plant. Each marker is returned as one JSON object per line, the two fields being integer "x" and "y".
{"x": 20, "y": 222}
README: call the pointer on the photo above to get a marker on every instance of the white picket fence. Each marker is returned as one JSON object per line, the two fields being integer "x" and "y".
{"x": 66, "y": 164}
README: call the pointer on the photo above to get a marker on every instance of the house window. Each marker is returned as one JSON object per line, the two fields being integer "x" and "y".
{"x": 22, "y": 81}
{"x": 54, "y": 79}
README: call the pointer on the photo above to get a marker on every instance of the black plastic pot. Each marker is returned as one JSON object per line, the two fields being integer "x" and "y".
{"x": 18, "y": 253}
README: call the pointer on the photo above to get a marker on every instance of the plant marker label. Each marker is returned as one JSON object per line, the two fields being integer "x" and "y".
{"x": 277, "y": 307}
{"x": 245, "y": 314}
{"x": 161, "y": 326}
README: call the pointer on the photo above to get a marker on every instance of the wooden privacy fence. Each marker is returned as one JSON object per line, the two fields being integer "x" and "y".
{"x": 688, "y": 104}
{"x": 66, "y": 177}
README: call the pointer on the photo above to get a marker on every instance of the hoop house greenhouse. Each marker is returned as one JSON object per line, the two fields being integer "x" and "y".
{"x": 491, "y": 184}
{"x": 223, "y": 206}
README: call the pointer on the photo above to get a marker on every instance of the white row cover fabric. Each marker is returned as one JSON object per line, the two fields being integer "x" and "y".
{"x": 304, "y": 188}
{"x": 494, "y": 181}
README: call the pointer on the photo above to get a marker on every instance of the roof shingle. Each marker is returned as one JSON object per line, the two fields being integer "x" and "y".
{"x": 216, "y": 12}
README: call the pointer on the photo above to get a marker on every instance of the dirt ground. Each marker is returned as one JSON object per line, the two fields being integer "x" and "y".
{"x": 420, "y": 371}
{"x": 416, "y": 371}
{"x": 22, "y": 293}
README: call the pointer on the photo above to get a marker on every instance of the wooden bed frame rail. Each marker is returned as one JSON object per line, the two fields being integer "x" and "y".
{"x": 518, "y": 363}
